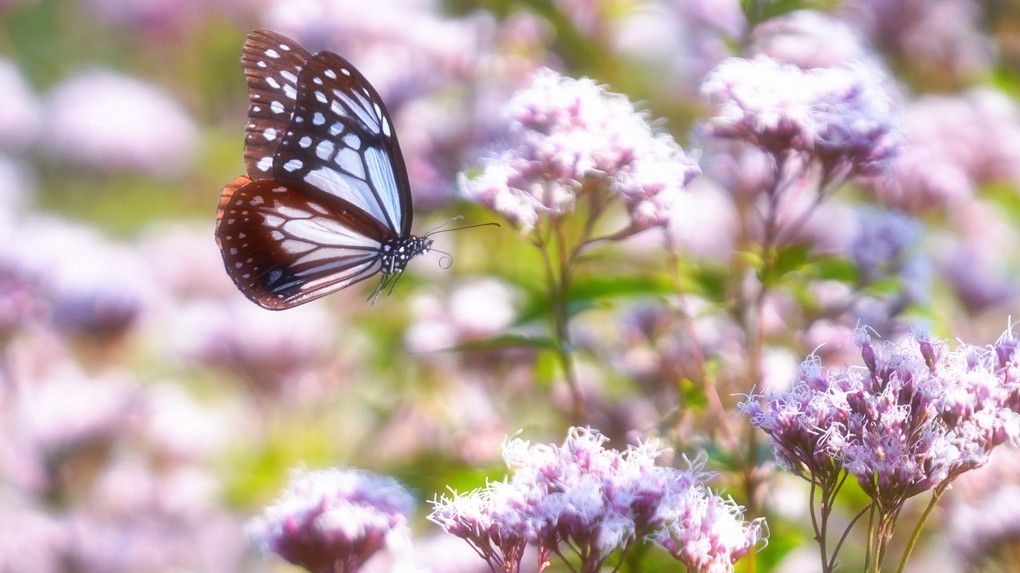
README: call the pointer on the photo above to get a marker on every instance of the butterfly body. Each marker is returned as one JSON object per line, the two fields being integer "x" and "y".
{"x": 326, "y": 202}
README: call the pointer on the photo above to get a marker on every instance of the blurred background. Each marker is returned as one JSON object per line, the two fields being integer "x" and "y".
{"x": 147, "y": 409}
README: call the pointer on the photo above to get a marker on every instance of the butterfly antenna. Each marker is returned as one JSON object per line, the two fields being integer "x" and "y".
{"x": 446, "y": 260}
{"x": 440, "y": 228}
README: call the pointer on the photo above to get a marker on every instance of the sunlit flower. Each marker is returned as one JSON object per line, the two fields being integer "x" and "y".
{"x": 917, "y": 415}
{"x": 941, "y": 40}
{"x": 333, "y": 520}
{"x": 113, "y": 122}
{"x": 569, "y": 139}
{"x": 585, "y": 500}
{"x": 810, "y": 39}
{"x": 839, "y": 117}
{"x": 709, "y": 534}
{"x": 953, "y": 144}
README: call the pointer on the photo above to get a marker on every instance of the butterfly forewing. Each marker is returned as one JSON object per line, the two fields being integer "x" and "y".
{"x": 271, "y": 65}
{"x": 283, "y": 247}
{"x": 341, "y": 141}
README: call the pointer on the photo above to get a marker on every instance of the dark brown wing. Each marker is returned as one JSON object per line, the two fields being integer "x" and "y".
{"x": 283, "y": 248}
{"x": 272, "y": 63}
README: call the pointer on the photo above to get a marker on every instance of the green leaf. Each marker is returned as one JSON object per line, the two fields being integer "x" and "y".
{"x": 507, "y": 341}
{"x": 787, "y": 259}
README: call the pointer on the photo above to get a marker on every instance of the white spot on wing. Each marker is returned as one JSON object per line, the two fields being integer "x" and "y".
{"x": 330, "y": 74}
{"x": 350, "y": 161}
{"x": 293, "y": 165}
{"x": 305, "y": 141}
{"x": 272, "y": 82}
{"x": 318, "y": 118}
{"x": 272, "y": 53}
{"x": 276, "y": 107}
{"x": 289, "y": 76}
{"x": 324, "y": 149}
{"x": 269, "y": 133}
{"x": 265, "y": 164}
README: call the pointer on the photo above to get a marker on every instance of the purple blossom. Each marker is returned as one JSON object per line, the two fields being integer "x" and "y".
{"x": 940, "y": 40}
{"x": 710, "y": 534}
{"x": 569, "y": 139}
{"x": 884, "y": 243}
{"x": 840, "y": 117}
{"x": 810, "y": 39}
{"x": 332, "y": 520}
{"x": 113, "y": 122}
{"x": 915, "y": 416}
{"x": 953, "y": 144}
{"x": 584, "y": 499}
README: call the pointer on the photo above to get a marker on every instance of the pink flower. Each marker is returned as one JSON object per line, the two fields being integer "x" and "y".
{"x": 839, "y": 117}
{"x": 709, "y": 535}
{"x": 810, "y": 39}
{"x": 953, "y": 144}
{"x": 332, "y": 521}
{"x": 113, "y": 122}
{"x": 915, "y": 417}
{"x": 585, "y": 500}
{"x": 569, "y": 138}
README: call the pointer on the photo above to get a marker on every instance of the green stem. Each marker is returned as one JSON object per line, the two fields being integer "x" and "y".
{"x": 936, "y": 496}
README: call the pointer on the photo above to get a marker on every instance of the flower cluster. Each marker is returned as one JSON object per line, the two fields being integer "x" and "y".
{"x": 592, "y": 501}
{"x": 916, "y": 416}
{"x": 332, "y": 521}
{"x": 570, "y": 138}
{"x": 840, "y": 117}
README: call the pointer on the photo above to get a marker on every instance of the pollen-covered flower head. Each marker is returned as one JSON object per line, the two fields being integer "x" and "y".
{"x": 568, "y": 138}
{"x": 332, "y": 520}
{"x": 840, "y": 117}
{"x": 914, "y": 416}
{"x": 584, "y": 499}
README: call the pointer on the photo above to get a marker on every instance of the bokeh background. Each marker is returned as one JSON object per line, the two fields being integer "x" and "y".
{"x": 147, "y": 409}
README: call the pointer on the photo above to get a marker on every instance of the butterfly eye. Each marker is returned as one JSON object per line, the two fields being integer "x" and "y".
{"x": 326, "y": 202}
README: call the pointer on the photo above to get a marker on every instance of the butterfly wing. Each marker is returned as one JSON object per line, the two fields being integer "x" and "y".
{"x": 283, "y": 248}
{"x": 271, "y": 64}
{"x": 341, "y": 141}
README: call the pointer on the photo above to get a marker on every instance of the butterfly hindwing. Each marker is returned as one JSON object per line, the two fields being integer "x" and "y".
{"x": 341, "y": 141}
{"x": 284, "y": 248}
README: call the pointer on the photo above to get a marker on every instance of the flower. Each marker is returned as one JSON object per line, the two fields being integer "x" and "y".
{"x": 914, "y": 417}
{"x": 569, "y": 139}
{"x": 332, "y": 520}
{"x": 884, "y": 243}
{"x": 840, "y": 117}
{"x": 114, "y": 122}
{"x": 941, "y": 40}
{"x": 587, "y": 500}
{"x": 710, "y": 534}
{"x": 810, "y": 39}
{"x": 953, "y": 144}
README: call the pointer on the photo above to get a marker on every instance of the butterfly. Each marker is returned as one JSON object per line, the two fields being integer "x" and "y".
{"x": 326, "y": 202}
